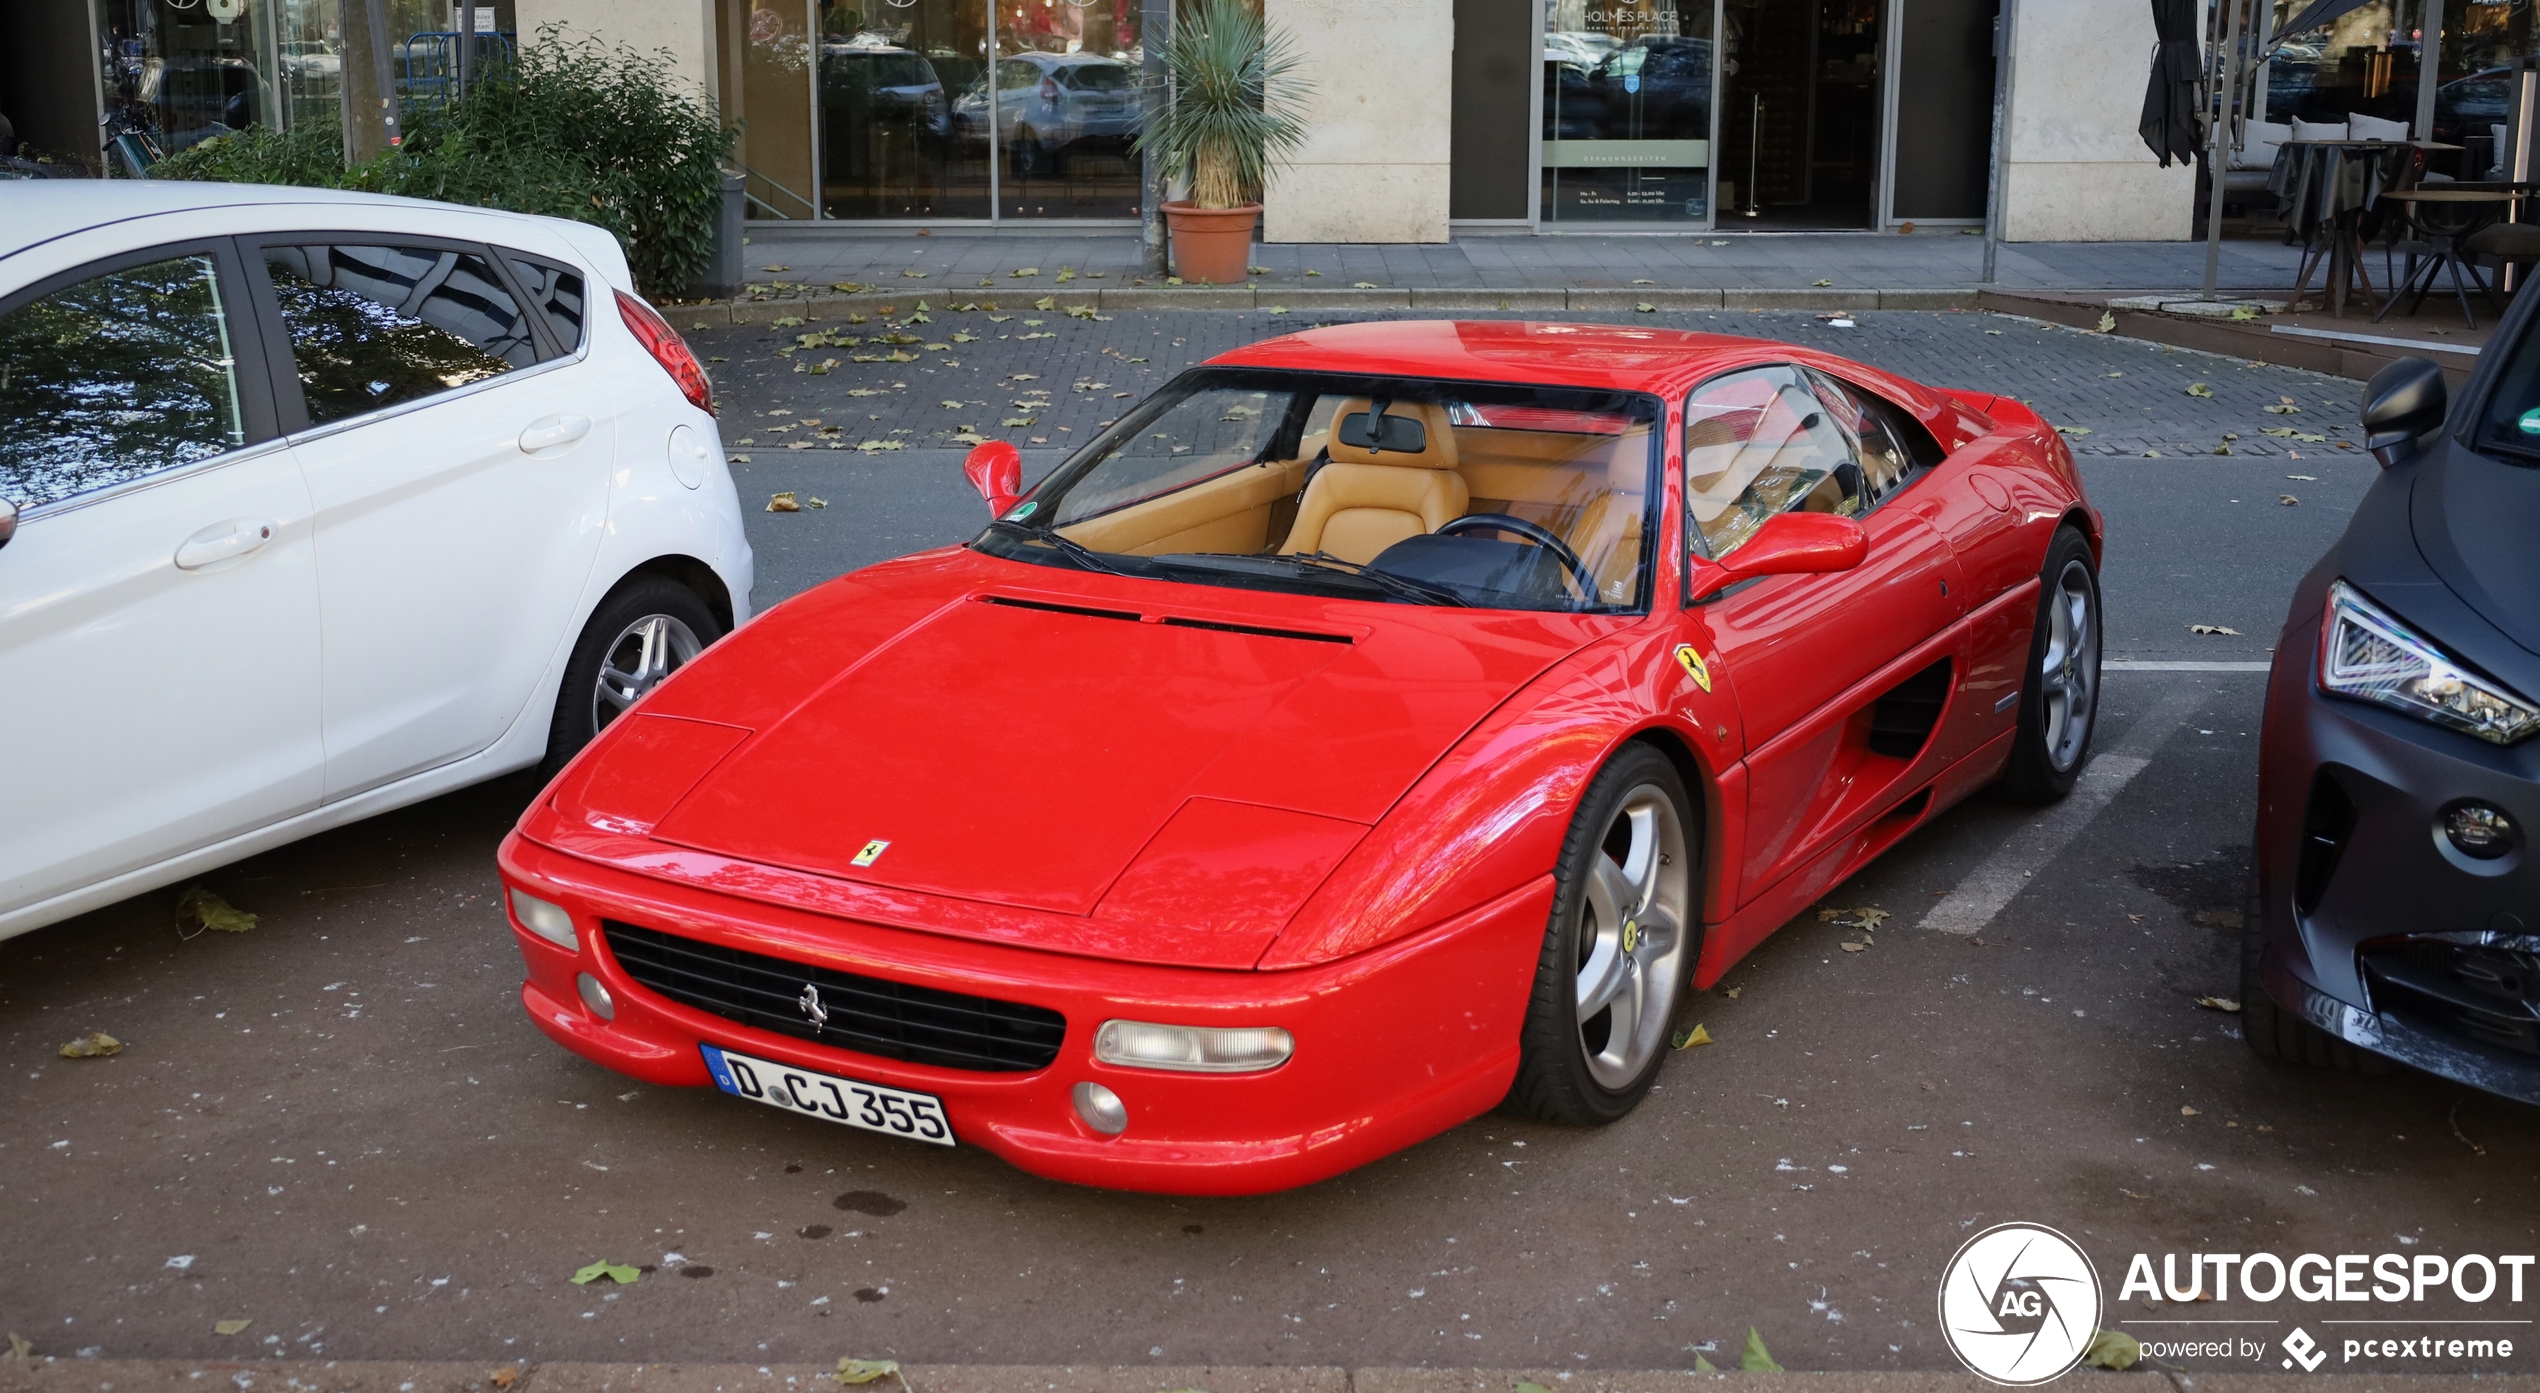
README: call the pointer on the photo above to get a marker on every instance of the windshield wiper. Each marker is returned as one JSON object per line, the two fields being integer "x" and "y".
{"x": 1399, "y": 586}
{"x": 1068, "y": 547}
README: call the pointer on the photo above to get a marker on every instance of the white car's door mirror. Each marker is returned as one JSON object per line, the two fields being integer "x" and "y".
{"x": 8, "y": 521}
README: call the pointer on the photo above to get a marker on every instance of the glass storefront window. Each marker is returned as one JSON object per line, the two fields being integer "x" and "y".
{"x": 890, "y": 75}
{"x": 2368, "y": 62}
{"x": 1627, "y": 94}
{"x": 1067, "y": 108}
{"x": 915, "y": 118}
{"x": 187, "y": 73}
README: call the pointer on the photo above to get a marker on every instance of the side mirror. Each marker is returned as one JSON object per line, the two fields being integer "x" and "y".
{"x": 1791, "y": 544}
{"x": 8, "y": 521}
{"x": 2403, "y": 403}
{"x": 996, "y": 470}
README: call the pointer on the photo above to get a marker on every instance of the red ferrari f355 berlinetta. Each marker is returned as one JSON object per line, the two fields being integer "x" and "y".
{"x": 1377, "y": 725}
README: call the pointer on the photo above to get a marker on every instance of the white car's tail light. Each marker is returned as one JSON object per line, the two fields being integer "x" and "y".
{"x": 2367, "y": 654}
{"x": 1191, "y": 1048}
{"x": 548, "y": 921}
{"x": 669, "y": 350}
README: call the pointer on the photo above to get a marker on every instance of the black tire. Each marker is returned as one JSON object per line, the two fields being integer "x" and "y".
{"x": 581, "y": 710}
{"x": 2273, "y": 1032}
{"x": 1558, "y": 1079}
{"x": 2047, "y": 755}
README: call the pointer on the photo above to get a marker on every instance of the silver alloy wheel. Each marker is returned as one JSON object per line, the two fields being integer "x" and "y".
{"x": 636, "y": 661}
{"x": 2068, "y": 676}
{"x": 1632, "y": 937}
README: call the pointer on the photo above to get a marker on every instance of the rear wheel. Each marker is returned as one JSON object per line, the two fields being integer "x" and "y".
{"x": 2059, "y": 700}
{"x": 647, "y": 629}
{"x": 1619, "y": 950}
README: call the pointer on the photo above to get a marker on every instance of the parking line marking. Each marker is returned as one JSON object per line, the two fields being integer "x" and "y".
{"x": 2148, "y": 665}
{"x": 1972, "y": 903}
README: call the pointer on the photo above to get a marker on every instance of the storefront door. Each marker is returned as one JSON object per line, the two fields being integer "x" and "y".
{"x": 1629, "y": 89}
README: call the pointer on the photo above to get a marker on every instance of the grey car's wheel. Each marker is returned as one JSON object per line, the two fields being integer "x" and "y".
{"x": 1619, "y": 949}
{"x": 646, "y": 629}
{"x": 2270, "y": 1030}
{"x": 2059, "y": 700}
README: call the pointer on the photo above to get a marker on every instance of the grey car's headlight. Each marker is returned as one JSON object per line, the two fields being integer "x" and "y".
{"x": 2367, "y": 654}
{"x": 1191, "y": 1048}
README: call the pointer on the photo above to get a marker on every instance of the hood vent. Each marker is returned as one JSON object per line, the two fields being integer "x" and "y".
{"x": 1086, "y": 611}
{"x": 1178, "y": 622}
{"x": 1170, "y": 621}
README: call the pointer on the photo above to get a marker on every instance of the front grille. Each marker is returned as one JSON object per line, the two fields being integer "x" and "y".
{"x": 2490, "y": 994}
{"x": 869, "y": 1015}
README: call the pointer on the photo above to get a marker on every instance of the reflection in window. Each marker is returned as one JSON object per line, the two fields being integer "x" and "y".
{"x": 890, "y": 143}
{"x": 558, "y": 294}
{"x": 113, "y": 378}
{"x": 1203, "y": 434}
{"x": 1760, "y": 443}
{"x": 374, "y": 326}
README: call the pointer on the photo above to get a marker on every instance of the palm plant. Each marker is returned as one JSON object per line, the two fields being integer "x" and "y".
{"x": 1236, "y": 108}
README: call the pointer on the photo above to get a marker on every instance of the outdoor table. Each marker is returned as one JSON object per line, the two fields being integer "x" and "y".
{"x": 2325, "y": 187}
{"x": 2444, "y": 218}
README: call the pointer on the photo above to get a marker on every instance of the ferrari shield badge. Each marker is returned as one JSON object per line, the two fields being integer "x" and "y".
{"x": 872, "y": 852}
{"x": 1694, "y": 668}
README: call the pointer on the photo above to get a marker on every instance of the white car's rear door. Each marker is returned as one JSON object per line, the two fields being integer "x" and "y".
{"x": 458, "y": 453}
{"x": 158, "y": 603}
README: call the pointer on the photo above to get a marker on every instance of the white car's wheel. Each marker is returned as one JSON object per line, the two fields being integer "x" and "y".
{"x": 647, "y": 629}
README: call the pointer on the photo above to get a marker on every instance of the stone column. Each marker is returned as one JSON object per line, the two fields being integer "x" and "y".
{"x": 1374, "y": 166}
{"x": 2077, "y": 170}
{"x": 683, "y": 27}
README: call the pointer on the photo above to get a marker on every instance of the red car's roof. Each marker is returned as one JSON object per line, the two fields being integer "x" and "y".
{"x": 1607, "y": 356}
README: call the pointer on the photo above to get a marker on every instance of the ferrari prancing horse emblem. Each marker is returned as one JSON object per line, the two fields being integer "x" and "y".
{"x": 873, "y": 850}
{"x": 1694, "y": 667}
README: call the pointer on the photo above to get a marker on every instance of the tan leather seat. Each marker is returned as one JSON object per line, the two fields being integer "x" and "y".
{"x": 1607, "y": 535}
{"x": 1365, "y": 501}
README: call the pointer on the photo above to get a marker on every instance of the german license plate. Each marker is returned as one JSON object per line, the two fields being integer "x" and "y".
{"x": 891, "y": 1111}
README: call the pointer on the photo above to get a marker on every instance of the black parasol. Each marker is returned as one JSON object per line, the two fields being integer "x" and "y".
{"x": 2169, "y": 104}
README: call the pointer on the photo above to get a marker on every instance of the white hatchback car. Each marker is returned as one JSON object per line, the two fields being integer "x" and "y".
{"x": 314, "y": 504}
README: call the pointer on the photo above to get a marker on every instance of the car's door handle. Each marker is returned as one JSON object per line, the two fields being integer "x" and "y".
{"x": 548, "y": 432}
{"x": 222, "y": 541}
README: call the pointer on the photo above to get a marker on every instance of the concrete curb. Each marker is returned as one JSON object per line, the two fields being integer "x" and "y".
{"x": 1019, "y": 297}
{"x": 47, "y": 1375}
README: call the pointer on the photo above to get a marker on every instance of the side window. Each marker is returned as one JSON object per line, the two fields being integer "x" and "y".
{"x": 1758, "y": 443}
{"x": 557, "y": 293}
{"x": 373, "y": 326}
{"x": 1879, "y": 442}
{"x": 116, "y": 377}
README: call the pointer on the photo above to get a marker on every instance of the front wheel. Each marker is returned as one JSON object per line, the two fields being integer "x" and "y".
{"x": 1619, "y": 949}
{"x": 647, "y": 629}
{"x": 2059, "y": 699}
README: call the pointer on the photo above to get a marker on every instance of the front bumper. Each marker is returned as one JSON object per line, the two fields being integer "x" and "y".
{"x": 1392, "y": 1046}
{"x": 2377, "y": 931}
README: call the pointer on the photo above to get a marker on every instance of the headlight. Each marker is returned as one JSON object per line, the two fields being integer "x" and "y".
{"x": 548, "y": 921}
{"x": 2367, "y": 654}
{"x": 1193, "y": 1049}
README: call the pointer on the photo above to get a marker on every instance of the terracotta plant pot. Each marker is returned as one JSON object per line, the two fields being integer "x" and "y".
{"x": 1212, "y": 245}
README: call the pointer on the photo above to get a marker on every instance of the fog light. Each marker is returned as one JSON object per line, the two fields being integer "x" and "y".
{"x": 1191, "y": 1048}
{"x": 596, "y": 997}
{"x": 1102, "y": 1109}
{"x": 548, "y": 921}
{"x": 2479, "y": 831}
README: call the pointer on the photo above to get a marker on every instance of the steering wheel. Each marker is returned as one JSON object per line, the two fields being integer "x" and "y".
{"x": 1532, "y": 532}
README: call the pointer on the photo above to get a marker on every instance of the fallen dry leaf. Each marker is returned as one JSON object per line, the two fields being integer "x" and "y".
{"x": 205, "y": 910}
{"x": 2213, "y": 629}
{"x": 1854, "y": 947}
{"x": 505, "y": 1376}
{"x": 230, "y": 1327}
{"x": 2113, "y": 1349}
{"x": 96, "y": 1044}
{"x": 616, "y": 1272}
{"x": 2288, "y": 500}
{"x": 2199, "y": 389}
{"x": 784, "y": 503}
{"x": 2218, "y": 1003}
{"x": 2107, "y": 321}
{"x": 1691, "y": 1039}
{"x": 2185, "y": 1111}
{"x": 866, "y": 1370}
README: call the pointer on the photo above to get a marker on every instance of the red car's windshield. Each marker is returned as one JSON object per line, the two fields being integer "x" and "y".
{"x": 1463, "y": 493}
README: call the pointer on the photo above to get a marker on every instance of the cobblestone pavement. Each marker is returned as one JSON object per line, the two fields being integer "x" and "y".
{"x": 2174, "y": 442}
{"x": 1930, "y": 257}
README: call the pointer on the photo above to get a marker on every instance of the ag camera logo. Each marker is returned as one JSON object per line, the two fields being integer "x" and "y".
{"x": 2019, "y": 1304}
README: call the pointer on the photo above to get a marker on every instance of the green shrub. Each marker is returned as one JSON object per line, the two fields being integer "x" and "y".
{"x": 575, "y": 130}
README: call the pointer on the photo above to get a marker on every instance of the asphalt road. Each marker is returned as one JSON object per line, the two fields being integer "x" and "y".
{"x": 340, "y": 1127}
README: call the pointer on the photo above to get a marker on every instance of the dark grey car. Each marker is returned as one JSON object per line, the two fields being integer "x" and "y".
{"x": 2396, "y": 907}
